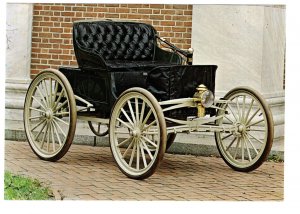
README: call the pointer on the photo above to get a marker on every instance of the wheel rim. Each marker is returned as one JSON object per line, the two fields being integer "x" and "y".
{"x": 98, "y": 129}
{"x": 136, "y": 134}
{"x": 47, "y": 115}
{"x": 244, "y": 146}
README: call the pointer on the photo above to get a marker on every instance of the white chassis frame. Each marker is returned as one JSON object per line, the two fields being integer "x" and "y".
{"x": 192, "y": 124}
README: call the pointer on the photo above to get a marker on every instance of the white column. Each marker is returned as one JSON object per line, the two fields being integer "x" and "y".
{"x": 18, "y": 58}
{"x": 247, "y": 42}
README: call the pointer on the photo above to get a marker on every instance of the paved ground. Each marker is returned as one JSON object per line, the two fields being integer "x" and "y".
{"x": 89, "y": 173}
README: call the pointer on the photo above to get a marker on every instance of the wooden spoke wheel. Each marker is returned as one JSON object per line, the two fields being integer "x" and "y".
{"x": 248, "y": 146}
{"x": 50, "y": 115}
{"x": 137, "y": 133}
{"x": 97, "y": 129}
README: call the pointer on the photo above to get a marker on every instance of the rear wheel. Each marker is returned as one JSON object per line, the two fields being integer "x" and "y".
{"x": 50, "y": 115}
{"x": 137, "y": 133}
{"x": 246, "y": 148}
{"x": 98, "y": 129}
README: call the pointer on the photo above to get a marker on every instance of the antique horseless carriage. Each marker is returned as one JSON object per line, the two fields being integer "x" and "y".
{"x": 143, "y": 95}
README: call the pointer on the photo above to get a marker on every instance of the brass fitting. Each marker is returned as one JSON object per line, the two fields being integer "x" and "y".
{"x": 198, "y": 94}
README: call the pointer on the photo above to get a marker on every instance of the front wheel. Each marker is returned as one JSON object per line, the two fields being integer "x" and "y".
{"x": 50, "y": 115}
{"x": 248, "y": 146}
{"x": 137, "y": 133}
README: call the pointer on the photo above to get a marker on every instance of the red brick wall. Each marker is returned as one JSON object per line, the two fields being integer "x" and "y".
{"x": 52, "y": 27}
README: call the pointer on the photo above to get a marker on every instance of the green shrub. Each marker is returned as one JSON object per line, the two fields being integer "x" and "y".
{"x": 21, "y": 188}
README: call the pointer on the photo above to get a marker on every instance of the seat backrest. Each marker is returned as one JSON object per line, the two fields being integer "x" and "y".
{"x": 114, "y": 40}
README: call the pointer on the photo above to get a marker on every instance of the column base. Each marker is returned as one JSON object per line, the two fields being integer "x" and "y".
{"x": 15, "y": 92}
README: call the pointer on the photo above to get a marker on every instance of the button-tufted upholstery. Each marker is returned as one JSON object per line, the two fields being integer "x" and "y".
{"x": 111, "y": 44}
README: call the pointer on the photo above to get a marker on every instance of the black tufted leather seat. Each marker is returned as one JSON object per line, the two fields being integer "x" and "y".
{"x": 112, "y": 46}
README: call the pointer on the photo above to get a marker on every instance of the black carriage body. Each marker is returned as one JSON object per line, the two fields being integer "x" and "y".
{"x": 115, "y": 56}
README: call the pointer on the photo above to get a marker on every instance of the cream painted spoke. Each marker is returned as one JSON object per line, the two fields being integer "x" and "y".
{"x": 51, "y": 94}
{"x": 232, "y": 112}
{"x": 257, "y": 129}
{"x": 121, "y": 132}
{"x": 124, "y": 142}
{"x": 60, "y": 120}
{"x": 127, "y": 117}
{"x": 52, "y": 136}
{"x": 41, "y": 95}
{"x": 137, "y": 110}
{"x": 48, "y": 137}
{"x": 243, "y": 109}
{"x": 252, "y": 116}
{"x": 125, "y": 124}
{"x": 150, "y": 133}
{"x": 249, "y": 110}
{"x": 46, "y": 90}
{"x": 247, "y": 138}
{"x": 255, "y": 138}
{"x": 58, "y": 99}
{"x": 147, "y": 149}
{"x": 142, "y": 112}
{"x": 44, "y": 136}
{"x": 132, "y": 153}
{"x": 62, "y": 105}
{"x": 238, "y": 108}
{"x": 39, "y": 102}
{"x": 227, "y": 136}
{"x": 36, "y": 137}
{"x": 143, "y": 156}
{"x": 149, "y": 125}
{"x": 56, "y": 123}
{"x": 137, "y": 156}
{"x": 131, "y": 112}
{"x": 55, "y": 93}
{"x": 231, "y": 143}
{"x": 149, "y": 141}
{"x": 248, "y": 151}
{"x": 228, "y": 119}
{"x": 236, "y": 148}
{"x": 146, "y": 118}
{"x": 257, "y": 122}
{"x": 129, "y": 147}
{"x": 37, "y": 125}
{"x": 56, "y": 133}
{"x": 62, "y": 113}
{"x": 242, "y": 147}
{"x": 36, "y": 109}
{"x": 36, "y": 117}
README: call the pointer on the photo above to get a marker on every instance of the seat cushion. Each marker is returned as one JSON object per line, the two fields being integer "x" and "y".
{"x": 115, "y": 40}
{"x": 126, "y": 65}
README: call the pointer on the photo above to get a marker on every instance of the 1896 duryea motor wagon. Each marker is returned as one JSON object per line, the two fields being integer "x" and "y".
{"x": 141, "y": 95}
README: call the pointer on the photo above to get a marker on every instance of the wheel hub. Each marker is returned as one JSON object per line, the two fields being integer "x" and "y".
{"x": 136, "y": 133}
{"x": 49, "y": 114}
{"x": 241, "y": 128}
